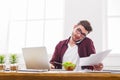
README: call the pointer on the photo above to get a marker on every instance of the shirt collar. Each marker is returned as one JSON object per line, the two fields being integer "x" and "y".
{"x": 67, "y": 41}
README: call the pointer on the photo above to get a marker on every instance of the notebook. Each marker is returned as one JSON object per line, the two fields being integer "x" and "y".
{"x": 36, "y": 59}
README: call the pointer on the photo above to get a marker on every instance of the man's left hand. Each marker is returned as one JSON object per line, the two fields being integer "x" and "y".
{"x": 98, "y": 67}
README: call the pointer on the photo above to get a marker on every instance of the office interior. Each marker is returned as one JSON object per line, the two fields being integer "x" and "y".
{"x": 33, "y": 23}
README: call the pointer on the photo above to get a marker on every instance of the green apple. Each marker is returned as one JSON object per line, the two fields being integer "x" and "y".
{"x": 69, "y": 66}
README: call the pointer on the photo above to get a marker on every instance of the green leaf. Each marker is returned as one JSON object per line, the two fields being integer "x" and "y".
{"x": 13, "y": 58}
{"x": 2, "y": 59}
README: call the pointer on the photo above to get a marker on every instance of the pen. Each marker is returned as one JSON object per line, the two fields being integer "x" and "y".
{"x": 57, "y": 63}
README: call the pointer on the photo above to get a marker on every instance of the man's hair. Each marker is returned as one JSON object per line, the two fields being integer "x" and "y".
{"x": 86, "y": 24}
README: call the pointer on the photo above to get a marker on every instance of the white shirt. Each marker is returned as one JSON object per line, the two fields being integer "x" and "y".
{"x": 71, "y": 55}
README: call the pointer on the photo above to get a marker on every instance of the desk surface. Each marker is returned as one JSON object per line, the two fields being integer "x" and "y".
{"x": 58, "y": 76}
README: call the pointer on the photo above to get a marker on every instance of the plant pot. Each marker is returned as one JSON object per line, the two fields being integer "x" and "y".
{"x": 2, "y": 67}
{"x": 13, "y": 67}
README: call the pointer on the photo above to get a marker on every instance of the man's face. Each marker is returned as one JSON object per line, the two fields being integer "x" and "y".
{"x": 79, "y": 32}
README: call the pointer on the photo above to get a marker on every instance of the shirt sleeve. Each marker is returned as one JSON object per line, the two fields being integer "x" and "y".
{"x": 55, "y": 56}
{"x": 90, "y": 50}
{"x": 91, "y": 47}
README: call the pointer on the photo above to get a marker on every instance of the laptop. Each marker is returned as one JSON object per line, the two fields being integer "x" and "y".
{"x": 36, "y": 59}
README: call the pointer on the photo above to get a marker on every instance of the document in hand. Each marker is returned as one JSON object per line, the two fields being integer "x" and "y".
{"x": 94, "y": 58}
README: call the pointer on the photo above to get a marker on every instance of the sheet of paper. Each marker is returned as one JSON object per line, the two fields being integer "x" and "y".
{"x": 94, "y": 58}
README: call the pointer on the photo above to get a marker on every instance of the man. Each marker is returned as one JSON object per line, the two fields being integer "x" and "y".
{"x": 76, "y": 46}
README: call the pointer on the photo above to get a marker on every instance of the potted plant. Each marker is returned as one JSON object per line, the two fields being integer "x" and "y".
{"x": 2, "y": 61}
{"x": 13, "y": 59}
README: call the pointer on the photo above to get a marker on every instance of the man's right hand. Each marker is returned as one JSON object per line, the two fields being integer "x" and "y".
{"x": 52, "y": 66}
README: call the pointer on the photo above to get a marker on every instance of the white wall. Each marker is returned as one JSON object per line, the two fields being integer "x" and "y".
{"x": 91, "y": 10}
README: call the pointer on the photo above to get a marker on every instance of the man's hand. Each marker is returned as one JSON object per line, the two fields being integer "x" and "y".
{"x": 52, "y": 66}
{"x": 98, "y": 67}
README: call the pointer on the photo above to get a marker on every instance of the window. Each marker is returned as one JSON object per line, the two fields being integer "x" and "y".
{"x": 30, "y": 23}
{"x": 113, "y": 20}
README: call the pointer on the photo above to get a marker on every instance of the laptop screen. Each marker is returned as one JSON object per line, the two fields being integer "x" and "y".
{"x": 36, "y": 58}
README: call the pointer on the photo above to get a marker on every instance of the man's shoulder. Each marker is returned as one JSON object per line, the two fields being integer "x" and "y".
{"x": 64, "y": 41}
{"x": 88, "y": 39}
